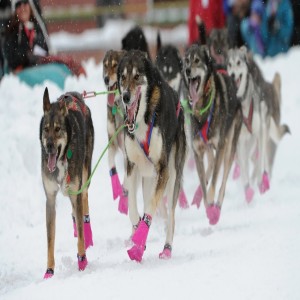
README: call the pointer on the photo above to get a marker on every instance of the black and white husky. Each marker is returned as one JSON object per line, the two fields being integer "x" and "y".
{"x": 155, "y": 145}
{"x": 261, "y": 128}
{"x": 216, "y": 121}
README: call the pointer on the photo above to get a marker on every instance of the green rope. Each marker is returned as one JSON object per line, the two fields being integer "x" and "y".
{"x": 107, "y": 92}
{"x": 100, "y": 158}
{"x": 206, "y": 108}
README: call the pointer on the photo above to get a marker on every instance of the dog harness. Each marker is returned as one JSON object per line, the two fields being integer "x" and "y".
{"x": 204, "y": 130}
{"x": 248, "y": 121}
{"x": 146, "y": 143}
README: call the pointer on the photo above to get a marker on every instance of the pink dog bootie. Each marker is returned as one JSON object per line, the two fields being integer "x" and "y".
{"x": 123, "y": 202}
{"x": 115, "y": 183}
{"x": 88, "y": 235}
{"x": 213, "y": 214}
{"x": 236, "y": 171}
{"x": 183, "y": 203}
{"x": 82, "y": 262}
{"x": 74, "y": 226}
{"x": 249, "y": 193}
{"x": 265, "y": 183}
{"x": 166, "y": 253}
{"x": 49, "y": 273}
{"x": 198, "y": 197}
{"x": 139, "y": 239}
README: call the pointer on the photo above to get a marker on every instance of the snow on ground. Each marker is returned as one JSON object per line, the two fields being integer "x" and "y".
{"x": 252, "y": 253}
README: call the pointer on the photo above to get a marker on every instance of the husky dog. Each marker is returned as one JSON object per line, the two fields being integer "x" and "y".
{"x": 218, "y": 47}
{"x": 115, "y": 118}
{"x": 216, "y": 122}
{"x": 261, "y": 114}
{"x": 169, "y": 63}
{"x": 155, "y": 145}
{"x": 135, "y": 40}
{"x": 67, "y": 141}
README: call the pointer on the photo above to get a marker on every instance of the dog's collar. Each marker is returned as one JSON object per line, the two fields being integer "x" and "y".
{"x": 248, "y": 121}
{"x": 146, "y": 143}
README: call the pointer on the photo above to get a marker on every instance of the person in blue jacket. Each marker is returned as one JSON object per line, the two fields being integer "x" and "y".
{"x": 279, "y": 22}
{"x": 252, "y": 28}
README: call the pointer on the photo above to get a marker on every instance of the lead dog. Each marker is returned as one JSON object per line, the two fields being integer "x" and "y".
{"x": 216, "y": 122}
{"x": 67, "y": 140}
{"x": 155, "y": 145}
{"x": 115, "y": 118}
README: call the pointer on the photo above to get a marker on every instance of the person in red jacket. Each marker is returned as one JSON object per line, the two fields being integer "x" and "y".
{"x": 211, "y": 13}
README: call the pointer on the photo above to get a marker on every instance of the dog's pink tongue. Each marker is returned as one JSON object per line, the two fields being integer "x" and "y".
{"x": 111, "y": 99}
{"x": 193, "y": 92}
{"x": 52, "y": 162}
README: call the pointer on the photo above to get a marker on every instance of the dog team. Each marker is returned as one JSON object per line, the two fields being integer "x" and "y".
{"x": 213, "y": 102}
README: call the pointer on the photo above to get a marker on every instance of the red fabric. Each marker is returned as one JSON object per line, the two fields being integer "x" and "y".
{"x": 213, "y": 16}
{"x": 30, "y": 33}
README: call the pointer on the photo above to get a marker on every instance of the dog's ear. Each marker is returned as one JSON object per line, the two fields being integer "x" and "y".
{"x": 46, "y": 101}
{"x": 207, "y": 57}
{"x": 244, "y": 52}
{"x": 158, "y": 41}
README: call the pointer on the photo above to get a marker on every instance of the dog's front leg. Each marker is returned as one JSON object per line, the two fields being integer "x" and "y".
{"x": 51, "y": 189}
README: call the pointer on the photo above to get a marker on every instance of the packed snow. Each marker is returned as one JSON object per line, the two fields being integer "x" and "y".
{"x": 252, "y": 253}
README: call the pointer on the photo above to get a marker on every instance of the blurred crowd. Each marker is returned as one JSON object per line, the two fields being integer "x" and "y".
{"x": 265, "y": 27}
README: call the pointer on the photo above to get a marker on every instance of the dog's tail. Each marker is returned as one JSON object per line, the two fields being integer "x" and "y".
{"x": 278, "y": 131}
{"x": 277, "y": 86}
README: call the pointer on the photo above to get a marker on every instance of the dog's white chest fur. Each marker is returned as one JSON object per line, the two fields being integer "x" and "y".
{"x": 62, "y": 174}
{"x": 145, "y": 164}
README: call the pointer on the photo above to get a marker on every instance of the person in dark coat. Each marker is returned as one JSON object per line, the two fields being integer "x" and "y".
{"x": 26, "y": 38}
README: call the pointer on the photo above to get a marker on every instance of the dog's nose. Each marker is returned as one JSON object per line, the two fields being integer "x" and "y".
{"x": 106, "y": 80}
{"x": 50, "y": 146}
{"x": 188, "y": 71}
{"x": 126, "y": 97}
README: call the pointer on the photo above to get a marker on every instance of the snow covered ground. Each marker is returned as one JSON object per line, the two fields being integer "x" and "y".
{"x": 252, "y": 253}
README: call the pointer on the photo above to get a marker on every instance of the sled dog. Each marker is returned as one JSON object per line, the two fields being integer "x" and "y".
{"x": 67, "y": 140}
{"x": 155, "y": 145}
{"x": 216, "y": 122}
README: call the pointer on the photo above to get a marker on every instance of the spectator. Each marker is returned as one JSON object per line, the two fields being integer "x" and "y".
{"x": 210, "y": 12}
{"x": 236, "y": 10}
{"x": 252, "y": 28}
{"x": 25, "y": 38}
{"x": 279, "y": 23}
{"x": 296, "y": 13}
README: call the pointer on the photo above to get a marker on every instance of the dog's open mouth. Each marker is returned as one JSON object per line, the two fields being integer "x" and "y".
{"x": 132, "y": 111}
{"x": 194, "y": 84}
{"x": 52, "y": 159}
{"x": 238, "y": 81}
{"x": 111, "y": 96}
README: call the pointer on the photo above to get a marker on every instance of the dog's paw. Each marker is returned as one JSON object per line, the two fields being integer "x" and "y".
{"x": 265, "y": 183}
{"x": 82, "y": 262}
{"x": 213, "y": 213}
{"x": 136, "y": 253}
{"x": 198, "y": 197}
{"x": 49, "y": 273}
{"x": 236, "y": 171}
{"x": 166, "y": 253}
{"x": 88, "y": 235}
{"x": 123, "y": 203}
{"x": 249, "y": 193}
{"x": 183, "y": 203}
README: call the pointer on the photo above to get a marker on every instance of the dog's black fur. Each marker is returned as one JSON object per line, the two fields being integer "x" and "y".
{"x": 135, "y": 40}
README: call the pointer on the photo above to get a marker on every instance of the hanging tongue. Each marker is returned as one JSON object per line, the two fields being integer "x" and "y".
{"x": 52, "y": 162}
{"x": 111, "y": 99}
{"x": 131, "y": 111}
{"x": 193, "y": 92}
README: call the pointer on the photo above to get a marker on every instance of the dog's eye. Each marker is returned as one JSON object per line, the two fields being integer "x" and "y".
{"x": 113, "y": 65}
{"x": 238, "y": 63}
{"x": 137, "y": 77}
{"x": 187, "y": 61}
{"x": 46, "y": 129}
{"x": 229, "y": 65}
{"x": 57, "y": 129}
{"x": 123, "y": 77}
{"x": 196, "y": 60}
